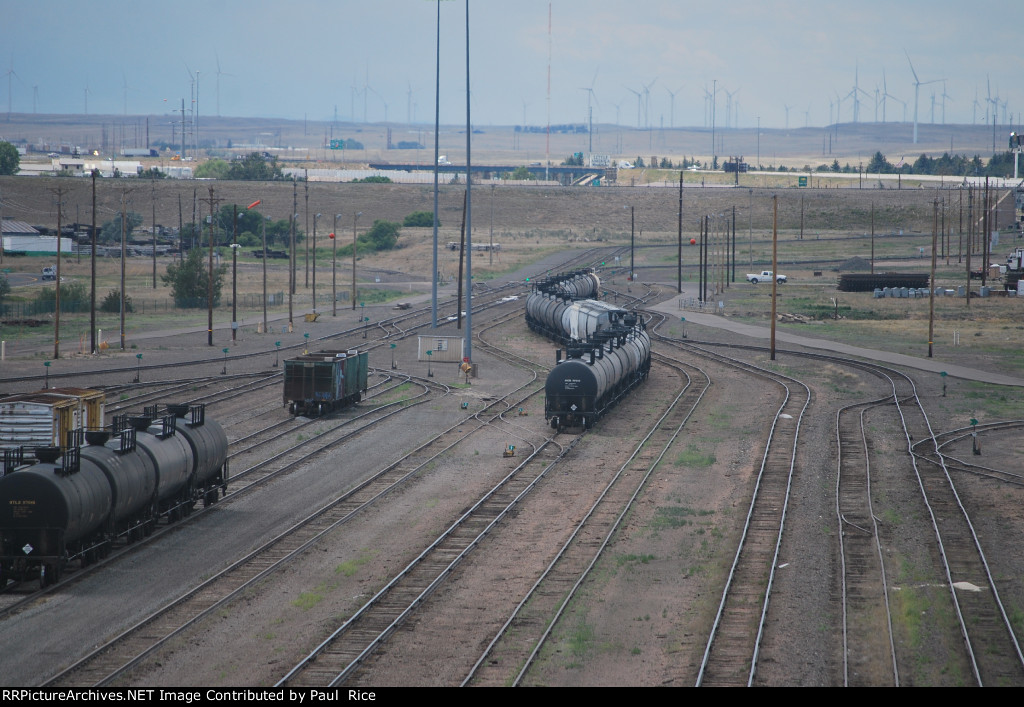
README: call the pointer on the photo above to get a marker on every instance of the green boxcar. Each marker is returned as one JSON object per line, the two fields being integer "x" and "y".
{"x": 317, "y": 383}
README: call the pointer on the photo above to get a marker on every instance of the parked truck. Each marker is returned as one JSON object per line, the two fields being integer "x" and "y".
{"x": 765, "y": 276}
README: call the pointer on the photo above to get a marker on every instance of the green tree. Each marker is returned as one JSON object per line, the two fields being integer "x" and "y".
{"x": 213, "y": 169}
{"x": 112, "y": 303}
{"x": 189, "y": 280}
{"x": 420, "y": 219}
{"x": 5, "y": 287}
{"x": 73, "y": 297}
{"x": 10, "y": 160}
{"x": 521, "y": 173}
{"x": 254, "y": 167}
{"x": 375, "y": 179}
{"x": 152, "y": 173}
{"x": 879, "y": 165}
{"x": 382, "y": 235}
{"x": 111, "y": 231}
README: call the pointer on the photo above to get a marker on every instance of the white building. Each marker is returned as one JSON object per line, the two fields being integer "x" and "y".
{"x": 20, "y": 237}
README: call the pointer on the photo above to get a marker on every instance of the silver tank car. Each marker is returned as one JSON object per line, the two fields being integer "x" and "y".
{"x": 566, "y": 321}
{"x": 576, "y": 285}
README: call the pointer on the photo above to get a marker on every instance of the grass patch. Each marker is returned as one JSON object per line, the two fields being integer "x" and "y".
{"x": 675, "y": 516}
{"x": 621, "y": 560}
{"x": 693, "y": 457}
{"x": 307, "y": 600}
{"x": 350, "y": 567}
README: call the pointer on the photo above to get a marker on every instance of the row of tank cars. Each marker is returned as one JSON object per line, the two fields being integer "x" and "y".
{"x": 607, "y": 349}
{"x": 72, "y": 488}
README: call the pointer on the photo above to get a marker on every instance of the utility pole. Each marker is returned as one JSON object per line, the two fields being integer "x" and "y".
{"x": 679, "y": 261}
{"x": 209, "y": 282}
{"x": 56, "y": 321}
{"x": 775, "y": 264}
{"x": 153, "y": 186}
{"x": 355, "y": 220}
{"x": 92, "y": 267}
{"x": 124, "y": 257}
{"x": 306, "y": 186}
{"x": 931, "y": 282}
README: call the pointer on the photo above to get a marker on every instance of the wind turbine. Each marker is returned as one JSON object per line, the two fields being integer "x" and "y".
{"x": 590, "y": 111}
{"x": 855, "y": 93}
{"x": 672, "y": 109}
{"x": 787, "y": 115}
{"x": 728, "y": 109}
{"x": 639, "y": 102}
{"x": 974, "y": 108}
{"x": 945, "y": 97}
{"x": 647, "y": 103}
{"x": 10, "y": 73}
{"x": 126, "y": 88}
{"x": 374, "y": 92}
{"x": 219, "y": 74}
{"x": 917, "y": 90}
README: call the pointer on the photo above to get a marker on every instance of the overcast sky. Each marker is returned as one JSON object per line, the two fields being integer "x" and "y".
{"x": 374, "y": 60}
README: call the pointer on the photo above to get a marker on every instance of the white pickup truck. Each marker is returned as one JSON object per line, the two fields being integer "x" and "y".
{"x": 765, "y": 276}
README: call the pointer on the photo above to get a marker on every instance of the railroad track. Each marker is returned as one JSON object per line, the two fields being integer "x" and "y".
{"x": 992, "y": 649}
{"x": 869, "y": 652}
{"x": 345, "y": 650}
{"x": 294, "y": 455}
{"x": 508, "y": 657}
{"x": 731, "y": 653}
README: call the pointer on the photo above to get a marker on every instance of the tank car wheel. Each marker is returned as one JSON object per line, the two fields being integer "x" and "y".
{"x": 554, "y": 423}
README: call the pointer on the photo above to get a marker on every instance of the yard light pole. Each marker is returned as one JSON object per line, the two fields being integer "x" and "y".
{"x": 334, "y": 267}
{"x": 292, "y": 284}
{"x": 355, "y": 220}
{"x": 632, "y": 238}
{"x": 315, "y": 219}
{"x": 263, "y": 231}
{"x": 234, "y": 290}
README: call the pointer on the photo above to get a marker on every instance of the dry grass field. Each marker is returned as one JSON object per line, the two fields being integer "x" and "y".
{"x": 820, "y": 227}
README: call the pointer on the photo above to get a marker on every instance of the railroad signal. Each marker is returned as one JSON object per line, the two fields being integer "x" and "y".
{"x": 393, "y": 366}
{"x": 46, "y": 379}
{"x": 277, "y": 352}
{"x": 224, "y": 372}
{"x": 138, "y": 368}
{"x": 429, "y": 373}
